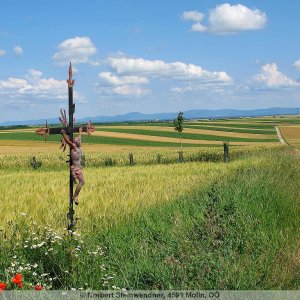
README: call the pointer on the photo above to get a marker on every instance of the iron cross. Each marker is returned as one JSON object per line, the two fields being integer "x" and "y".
{"x": 69, "y": 129}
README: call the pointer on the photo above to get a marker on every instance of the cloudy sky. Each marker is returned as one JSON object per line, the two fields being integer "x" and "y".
{"x": 147, "y": 56}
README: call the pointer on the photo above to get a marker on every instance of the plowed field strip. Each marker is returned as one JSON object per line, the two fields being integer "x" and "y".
{"x": 231, "y": 129}
{"x": 235, "y": 124}
{"x": 199, "y": 130}
{"x": 170, "y": 140}
{"x": 291, "y": 134}
{"x": 34, "y": 147}
{"x": 185, "y": 136}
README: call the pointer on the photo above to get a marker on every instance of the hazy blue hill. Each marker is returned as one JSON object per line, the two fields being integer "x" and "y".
{"x": 189, "y": 114}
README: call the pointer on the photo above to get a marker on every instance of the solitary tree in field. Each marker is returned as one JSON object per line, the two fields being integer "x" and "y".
{"x": 178, "y": 123}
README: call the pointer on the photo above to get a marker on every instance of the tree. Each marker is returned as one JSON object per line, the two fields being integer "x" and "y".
{"x": 178, "y": 123}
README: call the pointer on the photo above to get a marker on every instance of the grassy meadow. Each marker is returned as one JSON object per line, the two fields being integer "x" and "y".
{"x": 159, "y": 224}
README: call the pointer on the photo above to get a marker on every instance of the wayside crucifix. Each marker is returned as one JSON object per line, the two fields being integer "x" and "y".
{"x": 74, "y": 144}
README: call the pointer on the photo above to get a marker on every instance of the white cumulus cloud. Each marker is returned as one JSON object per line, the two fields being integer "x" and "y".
{"x": 192, "y": 15}
{"x": 228, "y": 19}
{"x": 130, "y": 74}
{"x": 122, "y": 85}
{"x": 77, "y": 50}
{"x": 121, "y": 80}
{"x": 130, "y": 90}
{"x": 198, "y": 27}
{"x": 297, "y": 63}
{"x": 18, "y": 50}
{"x": 34, "y": 85}
{"x": 273, "y": 78}
{"x": 161, "y": 69}
{"x": 2, "y": 52}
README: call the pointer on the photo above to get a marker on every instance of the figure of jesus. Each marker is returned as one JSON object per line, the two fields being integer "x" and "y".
{"x": 76, "y": 154}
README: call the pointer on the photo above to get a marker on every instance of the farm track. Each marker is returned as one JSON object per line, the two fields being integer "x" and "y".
{"x": 280, "y": 137}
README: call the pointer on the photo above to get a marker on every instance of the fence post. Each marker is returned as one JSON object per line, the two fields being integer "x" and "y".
{"x": 131, "y": 161}
{"x": 226, "y": 152}
{"x": 180, "y": 156}
{"x": 35, "y": 164}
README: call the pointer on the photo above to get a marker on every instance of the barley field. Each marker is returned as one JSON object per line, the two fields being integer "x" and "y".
{"x": 157, "y": 224}
{"x": 291, "y": 134}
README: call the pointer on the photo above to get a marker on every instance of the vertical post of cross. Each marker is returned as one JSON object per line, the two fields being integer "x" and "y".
{"x": 70, "y": 82}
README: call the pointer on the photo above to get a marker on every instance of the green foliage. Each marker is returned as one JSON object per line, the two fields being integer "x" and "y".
{"x": 55, "y": 260}
{"x": 178, "y": 122}
{"x": 35, "y": 163}
{"x": 109, "y": 162}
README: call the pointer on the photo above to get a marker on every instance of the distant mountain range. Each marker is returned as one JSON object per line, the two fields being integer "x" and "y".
{"x": 189, "y": 114}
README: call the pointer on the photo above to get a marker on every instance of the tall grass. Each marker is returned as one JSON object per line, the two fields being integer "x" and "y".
{"x": 179, "y": 226}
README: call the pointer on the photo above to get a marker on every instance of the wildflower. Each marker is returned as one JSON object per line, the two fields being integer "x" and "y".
{"x": 38, "y": 287}
{"x": 17, "y": 279}
{"x": 23, "y": 214}
{"x": 2, "y": 286}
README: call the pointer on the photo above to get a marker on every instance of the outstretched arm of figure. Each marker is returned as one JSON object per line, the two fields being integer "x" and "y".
{"x": 71, "y": 144}
{"x": 42, "y": 131}
{"x": 80, "y": 132}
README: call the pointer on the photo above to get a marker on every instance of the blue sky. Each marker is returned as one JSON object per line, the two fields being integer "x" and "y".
{"x": 147, "y": 56}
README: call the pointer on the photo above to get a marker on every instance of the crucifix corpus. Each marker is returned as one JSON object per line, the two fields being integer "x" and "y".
{"x": 75, "y": 153}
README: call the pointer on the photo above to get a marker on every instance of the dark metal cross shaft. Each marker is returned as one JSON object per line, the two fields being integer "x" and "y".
{"x": 71, "y": 82}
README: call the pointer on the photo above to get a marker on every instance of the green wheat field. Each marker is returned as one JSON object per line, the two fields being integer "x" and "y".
{"x": 156, "y": 224}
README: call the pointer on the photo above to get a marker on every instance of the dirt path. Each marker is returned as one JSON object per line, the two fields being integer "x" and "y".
{"x": 281, "y": 139}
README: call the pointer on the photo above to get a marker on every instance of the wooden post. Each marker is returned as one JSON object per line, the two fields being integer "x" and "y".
{"x": 226, "y": 152}
{"x": 180, "y": 156}
{"x": 131, "y": 161}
